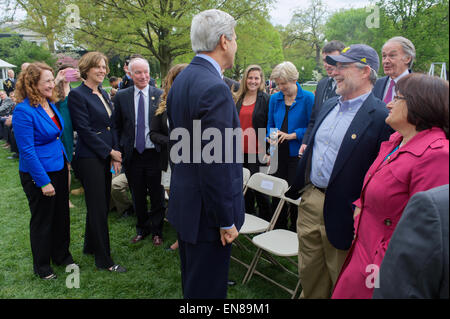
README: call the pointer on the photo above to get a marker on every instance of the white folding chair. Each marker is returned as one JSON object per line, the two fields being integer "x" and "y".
{"x": 245, "y": 176}
{"x": 268, "y": 185}
{"x": 278, "y": 242}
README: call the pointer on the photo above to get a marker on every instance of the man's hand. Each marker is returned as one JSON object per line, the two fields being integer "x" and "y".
{"x": 301, "y": 150}
{"x": 228, "y": 235}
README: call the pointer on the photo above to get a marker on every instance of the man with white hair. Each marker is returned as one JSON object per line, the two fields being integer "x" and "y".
{"x": 10, "y": 83}
{"x": 134, "y": 108}
{"x": 206, "y": 204}
{"x": 398, "y": 55}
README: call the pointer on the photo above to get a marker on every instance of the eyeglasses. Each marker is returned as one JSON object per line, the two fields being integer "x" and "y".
{"x": 396, "y": 98}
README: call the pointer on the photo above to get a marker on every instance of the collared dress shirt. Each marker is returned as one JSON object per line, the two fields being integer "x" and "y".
{"x": 329, "y": 138}
{"x": 394, "y": 91}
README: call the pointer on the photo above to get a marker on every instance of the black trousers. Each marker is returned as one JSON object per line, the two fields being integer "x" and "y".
{"x": 144, "y": 177}
{"x": 50, "y": 222}
{"x": 95, "y": 176}
{"x": 287, "y": 168}
{"x": 251, "y": 162}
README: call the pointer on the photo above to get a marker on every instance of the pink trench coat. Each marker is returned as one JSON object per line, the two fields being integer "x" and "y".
{"x": 421, "y": 164}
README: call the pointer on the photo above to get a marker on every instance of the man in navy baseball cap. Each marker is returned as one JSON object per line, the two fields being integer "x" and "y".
{"x": 357, "y": 53}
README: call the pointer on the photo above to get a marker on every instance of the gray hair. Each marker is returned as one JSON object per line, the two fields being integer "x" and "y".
{"x": 208, "y": 26}
{"x": 285, "y": 71}
{"x": 136, "y": 60}
{"x": 373, "y": 74}
{"x": 407, "y": 47}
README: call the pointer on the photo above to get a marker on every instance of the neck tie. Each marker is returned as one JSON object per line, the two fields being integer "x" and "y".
{"x": 388, "y": 96}
{"x": 140, "y": 129}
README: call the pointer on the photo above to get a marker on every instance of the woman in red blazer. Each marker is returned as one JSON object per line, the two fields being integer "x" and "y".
{"x": 415, "y": 159}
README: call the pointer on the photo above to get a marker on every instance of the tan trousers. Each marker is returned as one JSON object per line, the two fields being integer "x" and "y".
{"x": 119, "y": 193}
{"x": 319, "y": 262}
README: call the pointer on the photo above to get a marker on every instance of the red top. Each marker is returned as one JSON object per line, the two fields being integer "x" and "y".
{"x": 249, "y": 141}
{"x": 55, "y": 120}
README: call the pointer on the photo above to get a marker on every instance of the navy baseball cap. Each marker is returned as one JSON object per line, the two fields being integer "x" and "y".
{"x": 356, "y": 53}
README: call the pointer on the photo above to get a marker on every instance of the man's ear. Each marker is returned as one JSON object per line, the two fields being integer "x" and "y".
{"x": 407, "y": 59}
{"x": 223, "y": 42}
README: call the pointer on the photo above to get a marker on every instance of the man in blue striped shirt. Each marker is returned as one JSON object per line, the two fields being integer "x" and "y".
{"x": 344, "y": 142}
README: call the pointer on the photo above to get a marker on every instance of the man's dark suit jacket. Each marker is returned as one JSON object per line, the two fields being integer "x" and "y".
{"x": 203, "y": 196}
{"x": 380, "y": 86}
{"x": 92, "y": 123}
{"x": 416, "y": 261}
{"x": 358, "y": 150}
{"x": 321, "y": 89}
{"x": 125, "y": 119}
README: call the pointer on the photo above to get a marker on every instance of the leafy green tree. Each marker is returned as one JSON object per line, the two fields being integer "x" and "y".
{"x": 17, "y": 51}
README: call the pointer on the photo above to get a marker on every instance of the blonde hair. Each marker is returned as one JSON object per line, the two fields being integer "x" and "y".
{"x": 240, "y": 94}
{"x": 167, "y": 84}
{"x": 26, "y": 86}
{"x": 285, "y": 71}
{"x": 91, "y": 60}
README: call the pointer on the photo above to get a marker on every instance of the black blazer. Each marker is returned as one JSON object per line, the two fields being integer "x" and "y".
{"x": 321, "y": 89}
{"x": 124, "y": 119}
{"x": 358, "y": 150}
{"x": 260, "y": 114}
{"x": 159, "y": 134}
{"x": 91, "y": 122}
{"x": 379, "y": 87}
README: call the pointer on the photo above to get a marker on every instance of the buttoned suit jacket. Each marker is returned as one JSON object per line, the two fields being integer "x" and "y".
{"x": 203, "y": 196}
{"x": 125, "y": 119}
{"x": 39, "y": 141}
{"x": 91, "y": 122}
{"x": 358, "y": 150}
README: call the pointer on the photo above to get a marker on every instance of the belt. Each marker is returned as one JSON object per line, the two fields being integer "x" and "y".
{"x": 322, "y": 190}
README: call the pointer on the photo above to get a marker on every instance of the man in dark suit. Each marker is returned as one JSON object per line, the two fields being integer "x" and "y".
{"x": 326, "y": 88}
{"x": 344, "y": 142}
{"x": 10, "y": 83}
{"x": 134, "y": 109}
{"x": 398, "y": 55}
{"x": 416, "y": 261}
{"x": 206, "y": 204}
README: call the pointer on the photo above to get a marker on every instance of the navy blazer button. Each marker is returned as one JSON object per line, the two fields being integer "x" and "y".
{"x": 387, "y": 222}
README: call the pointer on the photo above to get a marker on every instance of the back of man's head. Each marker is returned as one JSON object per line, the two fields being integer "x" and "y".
{"x": 208, "y": 26}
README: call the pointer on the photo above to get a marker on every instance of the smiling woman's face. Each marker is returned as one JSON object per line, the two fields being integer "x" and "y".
{"x": 46, "y": 84}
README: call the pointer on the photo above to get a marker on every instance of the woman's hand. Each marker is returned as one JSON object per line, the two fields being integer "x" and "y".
{"x": 285, "y": 136}
{"x": 48, "y": 190}
{"x": 116, "y": 156}
{"x": 61, "y": 76}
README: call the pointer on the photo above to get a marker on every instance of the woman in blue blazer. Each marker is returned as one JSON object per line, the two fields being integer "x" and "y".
{"x": 43, "y": 168}
{"x": 289, "y": 113}
{"x": 91, "y": 110}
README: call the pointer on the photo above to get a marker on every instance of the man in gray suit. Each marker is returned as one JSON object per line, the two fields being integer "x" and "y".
{"x": 416, "y": 261}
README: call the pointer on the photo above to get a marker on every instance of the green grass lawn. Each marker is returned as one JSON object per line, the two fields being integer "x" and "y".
{"x": 152, "y": 271}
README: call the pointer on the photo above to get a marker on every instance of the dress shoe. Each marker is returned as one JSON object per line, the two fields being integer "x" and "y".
{"x": 138, "y": 238}
{"x": 157, "y": 240}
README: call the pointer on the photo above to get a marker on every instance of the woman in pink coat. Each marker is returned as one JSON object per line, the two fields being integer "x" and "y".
{"x": 415, "y": 159}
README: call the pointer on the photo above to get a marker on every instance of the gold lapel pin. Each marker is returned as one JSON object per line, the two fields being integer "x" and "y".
{"x": 353, "y": 136}
{"x": 153, "y": 97}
